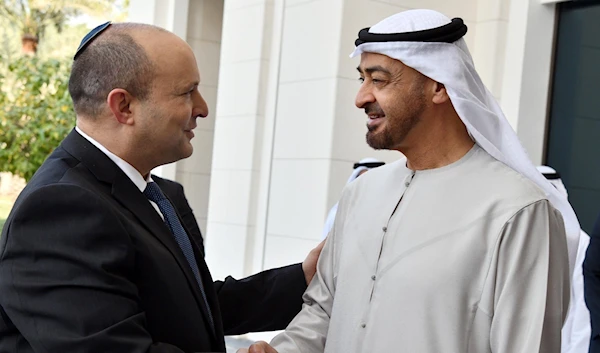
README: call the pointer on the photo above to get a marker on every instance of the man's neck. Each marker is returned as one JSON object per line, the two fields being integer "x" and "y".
{"x": 438, "y": 144}
{"x": 111, "y": 143}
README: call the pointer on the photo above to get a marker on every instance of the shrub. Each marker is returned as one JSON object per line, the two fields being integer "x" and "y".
{"x": 36, "y": 112}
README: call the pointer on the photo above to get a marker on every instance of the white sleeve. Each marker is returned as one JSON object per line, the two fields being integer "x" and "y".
{"x": 307, "y": 333}
{"x": 531, "y": 282}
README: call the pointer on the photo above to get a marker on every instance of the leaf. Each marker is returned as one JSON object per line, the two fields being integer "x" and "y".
{"x": 32, "y": 124}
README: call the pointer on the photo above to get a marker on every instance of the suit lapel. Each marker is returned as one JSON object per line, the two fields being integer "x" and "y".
{"x": 126, "y": 193}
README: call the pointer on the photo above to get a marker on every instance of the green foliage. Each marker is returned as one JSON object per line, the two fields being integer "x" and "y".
{"x": 35, "y": 112}
{"x": 33, "y": 16}
{"x": 35, "y": 108}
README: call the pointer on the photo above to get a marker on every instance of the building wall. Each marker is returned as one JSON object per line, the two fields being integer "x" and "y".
{"x": 528, "y": 63}
{"x": 242, "y": 140}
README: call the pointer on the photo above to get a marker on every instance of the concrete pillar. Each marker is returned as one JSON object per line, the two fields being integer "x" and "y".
{"x": 242, "y": 148}
{"x": 526, "y": 81}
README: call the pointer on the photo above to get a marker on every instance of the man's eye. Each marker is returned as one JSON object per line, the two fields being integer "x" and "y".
{"x": 361, "y": 79}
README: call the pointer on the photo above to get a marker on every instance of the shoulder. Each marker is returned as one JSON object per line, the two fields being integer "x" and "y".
{"x": 58, "y": 202}
{"x": 495, "y": 179}
{"x": 379, "y": 179}
{"x": 58, "y": 215}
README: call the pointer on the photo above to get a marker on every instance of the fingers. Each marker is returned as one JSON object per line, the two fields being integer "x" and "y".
{"x": 258, "y": 347}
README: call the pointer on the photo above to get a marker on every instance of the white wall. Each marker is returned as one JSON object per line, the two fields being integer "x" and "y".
{"x": 241, "y": 157}
{"x": 526, "y": 84}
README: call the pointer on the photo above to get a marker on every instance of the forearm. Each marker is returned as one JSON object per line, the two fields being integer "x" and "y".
{"x": 307, "y": 333}
{"x": 267, "y": 301}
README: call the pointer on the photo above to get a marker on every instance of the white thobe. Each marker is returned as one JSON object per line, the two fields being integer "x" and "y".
{"x": 470, "y": 257}
{"x": 577, "y": 329}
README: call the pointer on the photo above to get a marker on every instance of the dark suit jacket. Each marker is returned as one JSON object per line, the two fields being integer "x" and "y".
{"x": 174, "y": 192}
{"x": 591, "y": 285}
{"x": 87, "y": 265}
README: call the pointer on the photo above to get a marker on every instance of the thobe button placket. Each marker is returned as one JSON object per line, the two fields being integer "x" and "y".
{"x": 363, "y": 325}
{"x": 408, "y": 179}
{"x": 384, "y": 229}
{"x": 373, "y": 277}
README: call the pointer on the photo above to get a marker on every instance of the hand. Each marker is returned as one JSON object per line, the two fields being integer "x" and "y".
{"x": 309, "y": 266}
{"x": 259, "y": 347}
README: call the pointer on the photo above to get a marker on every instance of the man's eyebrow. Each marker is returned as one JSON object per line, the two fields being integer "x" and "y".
{"x": 377, "y": 68}
{"x": 372, "y": 69}
{"x": 188, "y": 86}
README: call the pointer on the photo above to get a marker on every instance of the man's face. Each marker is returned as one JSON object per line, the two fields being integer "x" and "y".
{"x": 169, "y": 114}
{"x": 393, "y": 97}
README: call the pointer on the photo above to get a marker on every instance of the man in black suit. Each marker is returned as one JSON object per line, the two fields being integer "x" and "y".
{"x": 97, "y": 255}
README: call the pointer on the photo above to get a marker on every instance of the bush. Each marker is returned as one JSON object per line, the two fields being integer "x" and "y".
{"x": 36, "y": 112}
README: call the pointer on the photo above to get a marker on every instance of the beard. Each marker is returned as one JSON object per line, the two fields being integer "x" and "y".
{"x": 393, "y": 133}
{"x": 397, "y": 125}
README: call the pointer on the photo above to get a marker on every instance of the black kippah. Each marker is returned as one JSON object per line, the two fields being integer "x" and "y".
{"x": 89, "y": 37}
{"x": 449, "y": 33}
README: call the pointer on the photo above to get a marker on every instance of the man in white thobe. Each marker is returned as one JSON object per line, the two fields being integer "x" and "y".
{"x": 462, "y": 246}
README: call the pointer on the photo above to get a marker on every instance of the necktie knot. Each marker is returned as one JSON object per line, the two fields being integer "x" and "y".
{"x": 153, "y": 192}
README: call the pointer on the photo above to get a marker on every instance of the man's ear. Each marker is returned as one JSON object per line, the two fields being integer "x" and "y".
{"x": 119, "y": 102}
{"x": 440, "y": 95}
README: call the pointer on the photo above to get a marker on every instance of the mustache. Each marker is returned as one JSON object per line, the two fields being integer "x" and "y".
{"x": 374, "y": 109}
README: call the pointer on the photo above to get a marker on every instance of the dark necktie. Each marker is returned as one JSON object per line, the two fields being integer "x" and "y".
{"x": 154, "y": 193}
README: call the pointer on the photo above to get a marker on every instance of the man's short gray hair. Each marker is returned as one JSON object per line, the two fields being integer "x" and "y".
{"x": 113, "y": 60}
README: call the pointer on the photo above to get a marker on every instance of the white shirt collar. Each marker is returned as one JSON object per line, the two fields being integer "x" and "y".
{"x": 127, "y": 168}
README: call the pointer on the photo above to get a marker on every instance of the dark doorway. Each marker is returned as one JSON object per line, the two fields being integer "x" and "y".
{"x": 573, "y": 146}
